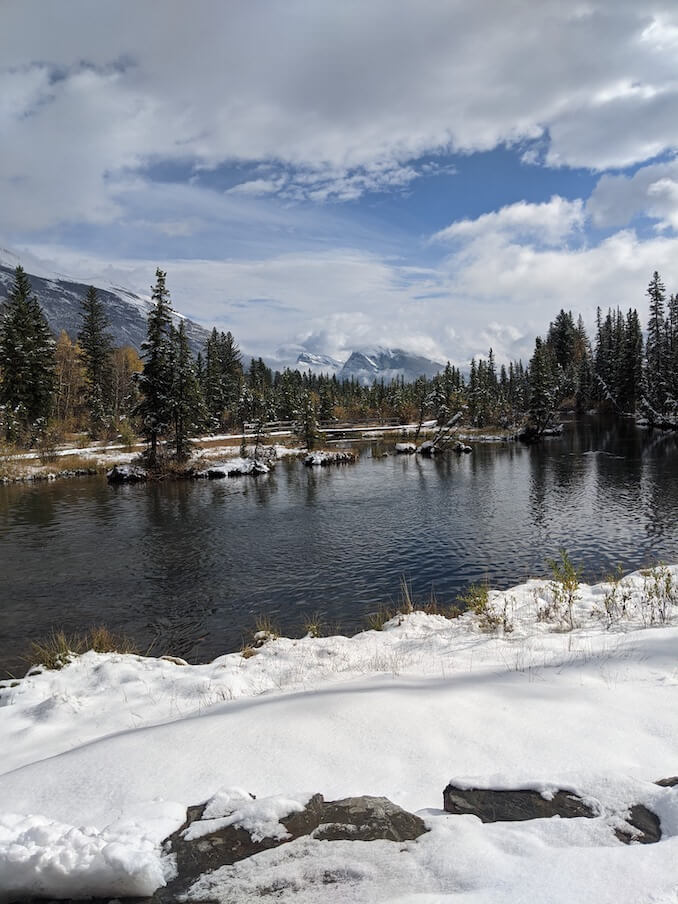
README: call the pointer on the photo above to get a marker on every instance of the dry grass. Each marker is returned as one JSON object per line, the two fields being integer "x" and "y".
{"x": 58, "y": 648}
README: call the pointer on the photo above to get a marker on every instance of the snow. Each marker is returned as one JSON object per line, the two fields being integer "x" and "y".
{"x": 259, "y": 817}
{"x": 100, "y": 760}
{"x": 42, "y": 856}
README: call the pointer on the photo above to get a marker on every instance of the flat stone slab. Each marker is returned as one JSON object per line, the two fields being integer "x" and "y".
{"x": 511, "y": 806}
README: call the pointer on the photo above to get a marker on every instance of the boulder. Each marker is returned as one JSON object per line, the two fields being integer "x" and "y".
{"x": 405, "y": 448}
{"x": 231, "y": 843}
{"x": 509, "y": 806}
{"x": 668, "y": 782}
{"x": 352, "y": 819}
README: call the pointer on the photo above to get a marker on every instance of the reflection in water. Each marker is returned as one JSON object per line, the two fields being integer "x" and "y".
{"x": 188, "y": 566}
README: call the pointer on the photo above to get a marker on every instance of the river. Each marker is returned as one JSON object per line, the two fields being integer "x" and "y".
{"x": 187, "y": 567}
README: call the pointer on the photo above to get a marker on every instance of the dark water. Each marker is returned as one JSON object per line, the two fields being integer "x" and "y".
{"x": 189, "y": 566}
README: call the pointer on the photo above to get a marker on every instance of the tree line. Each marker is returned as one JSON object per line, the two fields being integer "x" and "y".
{"x": 52, "y": 387}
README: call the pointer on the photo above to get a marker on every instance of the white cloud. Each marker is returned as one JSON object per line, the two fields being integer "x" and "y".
{"x": 257, "y": 187}
{"x": 344, "y": 95}
{"x": 548, "y": 223}
{"x": 652, "y": 191}
{"x": 494, "y": 291}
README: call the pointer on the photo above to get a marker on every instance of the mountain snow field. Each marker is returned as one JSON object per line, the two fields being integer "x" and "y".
{"x": 536, "y": 689}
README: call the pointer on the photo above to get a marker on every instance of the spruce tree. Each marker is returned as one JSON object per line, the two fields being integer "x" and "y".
{"x": 543, "y": 384}
{"x": 186, "y": 403}
{"x": 27, "y": 362}
{"x": 95, "y": 350}
{"x": 155, "y": 380}
{"x": 655, "y": 383}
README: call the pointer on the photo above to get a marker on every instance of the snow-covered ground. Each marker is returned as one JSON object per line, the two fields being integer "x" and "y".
{"x": 101, "y": 758}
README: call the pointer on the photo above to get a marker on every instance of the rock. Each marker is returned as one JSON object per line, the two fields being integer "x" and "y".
{"x": 352, "y": 819}
{"x": 367, "y": 819}
{"x": 643, "y": 827}
{"x": 323, "y": 459}
{"x": 405, "y": 448}
{"x": 508, "y": 806}
{"x": 126, "y": 474}
{"x": 668, "y": 782}
{"x": 427, "y": 449}
{"x": 462, "y": 449}
{"x": 230, "y": 844}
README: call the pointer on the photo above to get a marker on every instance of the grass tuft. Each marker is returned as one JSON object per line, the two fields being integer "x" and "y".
{"x": 58, "y": 648}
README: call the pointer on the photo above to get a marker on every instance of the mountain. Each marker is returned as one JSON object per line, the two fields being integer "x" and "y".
{"x": 60, "y": 300}
{"x": 318, "y": 364}
{"x": 376, "y": 363}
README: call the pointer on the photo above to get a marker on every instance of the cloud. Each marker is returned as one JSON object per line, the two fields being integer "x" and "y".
{"x": 497, "y": 290}
{"x": 257, "y": 187}
{"x": 343, "y": 96}
{"x": 652, "y": 191}
{"x": 548, "y": 223}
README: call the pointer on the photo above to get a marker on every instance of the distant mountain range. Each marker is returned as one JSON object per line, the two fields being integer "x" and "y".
{"x": 363, "y": 364}
{"x": 127, "y": 312}
{"x": 377, "y": 363}
{"x": 60, "y": 299}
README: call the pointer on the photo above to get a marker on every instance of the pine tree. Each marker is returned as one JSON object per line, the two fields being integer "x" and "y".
{"x": 27, "y": 361}
{"x": 155, "y": 381}
{"x": 96, "y": 348}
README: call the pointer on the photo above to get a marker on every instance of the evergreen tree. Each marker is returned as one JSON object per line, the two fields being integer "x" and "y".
{"x": 95, "y": 350}
{"x": 27, "y": 361}
{"x": 155, "y": 381}
{"x": 306, "y": 425}
{"x": 231, "y": 371}
{"x": 186, "y": 402}
{"x": 655, "y": 352}
{"x": 543, "y": 384}
{"x": 631, "y": 365}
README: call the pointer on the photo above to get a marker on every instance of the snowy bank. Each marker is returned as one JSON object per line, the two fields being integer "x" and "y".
{"x": 101, "y": 759}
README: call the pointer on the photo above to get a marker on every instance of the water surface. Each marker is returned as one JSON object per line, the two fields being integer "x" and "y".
{"x": 187, "y": 567}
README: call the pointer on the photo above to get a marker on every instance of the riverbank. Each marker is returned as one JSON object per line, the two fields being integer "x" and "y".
{"x": 534, "y": 688}
{"x": 98, "y": 458}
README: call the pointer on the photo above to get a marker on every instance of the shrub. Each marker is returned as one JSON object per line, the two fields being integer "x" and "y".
{"x": 477, "y": 600}
{"x": 616, "y": 601}
{"x": 660, "y": 595}
{"x": 564, "y": 587}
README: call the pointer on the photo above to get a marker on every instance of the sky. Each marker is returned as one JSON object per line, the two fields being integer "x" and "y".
{"x": 437, "y": 175}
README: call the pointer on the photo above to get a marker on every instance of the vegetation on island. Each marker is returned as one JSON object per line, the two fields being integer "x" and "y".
{"x": 51, "y": 388}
